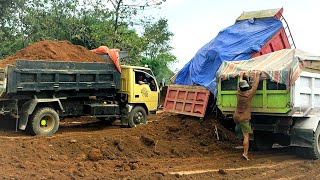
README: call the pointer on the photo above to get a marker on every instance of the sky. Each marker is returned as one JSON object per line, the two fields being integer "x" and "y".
{"x": 196, "y": 22}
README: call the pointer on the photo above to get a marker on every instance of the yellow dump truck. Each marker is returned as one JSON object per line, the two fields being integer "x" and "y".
{"x": 38, "y": 94}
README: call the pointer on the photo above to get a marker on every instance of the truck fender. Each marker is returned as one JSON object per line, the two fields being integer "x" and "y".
{"x": 126, "y": 111}
{"x": 28, "y": 108}
{"x": 303, "y": 131}
{"x": 129, "y": 107}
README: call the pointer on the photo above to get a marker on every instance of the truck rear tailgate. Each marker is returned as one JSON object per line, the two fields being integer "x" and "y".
{"x": 270, "y": 98}
{"x": 188, "y": 100}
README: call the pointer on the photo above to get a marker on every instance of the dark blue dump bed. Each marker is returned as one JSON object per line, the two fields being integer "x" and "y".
{"x": 43, "y": 78}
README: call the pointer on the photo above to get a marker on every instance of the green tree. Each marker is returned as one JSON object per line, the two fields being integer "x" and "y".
{"x": 10, "y": 24}
{"x": 49, "y": 19}
{"x": 5, "y": 5}
{"x": 125, "y": 11}
{"x": 91, "y": 24}
{"x": 124, "y": 16}
{"x": 157, "y": 48}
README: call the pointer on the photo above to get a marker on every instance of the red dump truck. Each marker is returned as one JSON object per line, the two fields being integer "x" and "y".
{"x": 193, "y": 99}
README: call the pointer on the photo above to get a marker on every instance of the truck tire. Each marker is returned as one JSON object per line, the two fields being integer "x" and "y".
{"x": 263, "y": 142}
{"x": 44, "y": 121}
{"x": 314, "y": 151}
{"x": 137, "y": 116}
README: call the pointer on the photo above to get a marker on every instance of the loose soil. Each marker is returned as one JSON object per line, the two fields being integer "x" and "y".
{"x": 169, "y": 147}
{"x": 53, "y": 51}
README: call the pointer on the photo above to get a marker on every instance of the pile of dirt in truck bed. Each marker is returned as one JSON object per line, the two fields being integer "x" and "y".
{"x": 53, "y": 51}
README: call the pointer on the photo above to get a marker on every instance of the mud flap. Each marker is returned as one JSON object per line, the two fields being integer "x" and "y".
{"x": 303, "y": 131}
{"x": 125, "y": 114}
{"x": 28, "y": 108}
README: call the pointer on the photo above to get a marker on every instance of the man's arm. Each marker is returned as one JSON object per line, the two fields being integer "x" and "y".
{"x": 241, "y": 76}
{"x": 240, "y": 79}
{"x": 256, "y": 82}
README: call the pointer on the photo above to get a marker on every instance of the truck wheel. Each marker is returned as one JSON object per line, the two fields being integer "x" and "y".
{"x": 44, "y": 121}
{"x": 314, "y": 151}
{"x": 263, "y": 142}
{"x": 137, "y": 116}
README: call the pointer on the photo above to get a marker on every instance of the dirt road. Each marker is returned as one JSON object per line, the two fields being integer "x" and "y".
{"x": 168, "y": 147}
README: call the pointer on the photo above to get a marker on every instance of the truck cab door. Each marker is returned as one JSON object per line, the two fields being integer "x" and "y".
{"x": 146, "y": 90}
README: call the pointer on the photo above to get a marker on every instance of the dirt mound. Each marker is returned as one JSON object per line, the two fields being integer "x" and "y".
{"x": 169, "y": 147}
{"x": 166, "y": 135}
{"x": 53, "y": 51}
{"x": 94, "y": 149}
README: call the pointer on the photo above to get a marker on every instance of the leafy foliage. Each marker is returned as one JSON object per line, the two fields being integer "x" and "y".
{"x": 91, "y": 24}
{"x": 157, "y": 49}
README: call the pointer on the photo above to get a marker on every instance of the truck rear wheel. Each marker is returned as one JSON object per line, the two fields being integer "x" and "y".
{"x": 137, "y": 116}
{"x": 314, "y": 151}
{"x": 44, "y": 121}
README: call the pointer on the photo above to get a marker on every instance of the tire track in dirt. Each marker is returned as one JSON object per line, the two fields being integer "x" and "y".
{"x": 259, "y": 170}
{"x": 225, "y": 170}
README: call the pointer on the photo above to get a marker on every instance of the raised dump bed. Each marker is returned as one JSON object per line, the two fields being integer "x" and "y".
{"x": 281, "y": 39}
{"x": 60, "y": 79}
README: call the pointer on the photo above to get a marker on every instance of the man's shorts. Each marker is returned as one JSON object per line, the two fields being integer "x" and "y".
{"x": 245, "y": 127}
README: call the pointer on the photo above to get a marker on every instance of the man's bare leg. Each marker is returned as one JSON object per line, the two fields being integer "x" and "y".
{"x": 245, "y": 145}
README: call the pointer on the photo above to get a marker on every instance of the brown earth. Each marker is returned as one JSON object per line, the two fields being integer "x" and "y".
{"x": 53, "y": 51}
{"x": 168, "y": 147}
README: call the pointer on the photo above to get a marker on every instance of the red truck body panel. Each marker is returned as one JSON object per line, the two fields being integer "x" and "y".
{"x": 188, "y": 100}
{"x": 277, "y": 42}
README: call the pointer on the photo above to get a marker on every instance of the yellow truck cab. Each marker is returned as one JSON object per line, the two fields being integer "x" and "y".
{"x": 140, "y": 89}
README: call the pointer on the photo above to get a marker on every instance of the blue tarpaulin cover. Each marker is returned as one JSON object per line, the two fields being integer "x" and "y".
{"x": 237, "y": 42}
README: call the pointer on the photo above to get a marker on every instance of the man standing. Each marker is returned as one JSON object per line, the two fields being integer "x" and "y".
{"x": 242, "y": 116}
